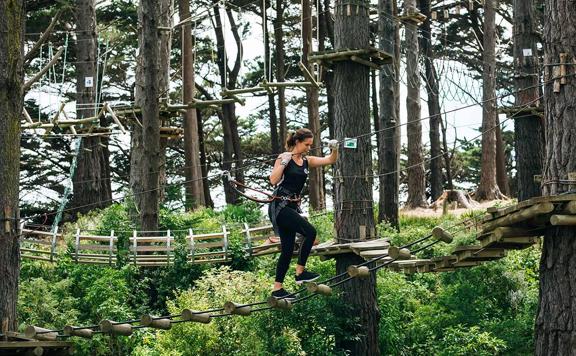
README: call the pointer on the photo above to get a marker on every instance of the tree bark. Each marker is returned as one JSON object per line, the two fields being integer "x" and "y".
{"x": 228, "y": 78}
{"x": 555, "y": 328}
{"x": 389, "y": 137}
{"x": 415, "y": 169}
{"x": 488, "y": 187}
{"x": 529, "y": 142}
{"x": 146, "y": 141}
{"x": 280, "y": 68}
{"x": 501, "y": 173}
{"x": 12, "y": 19}
{"x": 316, "y": 186}
{"x": 91, "y": 181}
{"x": 354, "y": 212}
{"x": 432, "y": 88}
{"x": 203, "y": 161}
{"x": 192, "y": 170}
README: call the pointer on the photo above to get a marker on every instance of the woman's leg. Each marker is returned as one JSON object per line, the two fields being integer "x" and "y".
{"x": 296, "y": 223}
{"x": 287, "y": 238}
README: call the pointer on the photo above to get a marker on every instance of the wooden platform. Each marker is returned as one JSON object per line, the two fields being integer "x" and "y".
{"x": 372, "y": 57}
{"x": 17, "y": 344}
{"x": 515, "y": 227}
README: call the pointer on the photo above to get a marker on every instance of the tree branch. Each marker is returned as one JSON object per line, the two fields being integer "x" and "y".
{"x": 37, "y": 77}
{"x": 32, "y": 52}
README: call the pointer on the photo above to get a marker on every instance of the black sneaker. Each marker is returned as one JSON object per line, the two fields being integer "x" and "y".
{"x": 283, "y": 294}
{"x": 307, "y": 277}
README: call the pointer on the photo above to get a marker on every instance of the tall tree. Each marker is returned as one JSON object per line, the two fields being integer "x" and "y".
{"x": 529, "y": 141}
{"x": 145, "y": 163}
{"x": 355, "y": 218}
{"x": 229, "y": 79}
{"x": 488, "y": 188}
{"x": 193, "y": 170}
{"x": 555, "y": 328}
{"x": 389, "y": 136}
{"x": 12, "y": 18}
{"x": 280, "y": 68}
{"x": 316, "y": 186}
{"x": 267, "y": 73}
{"x": 432, "y": 88}
{"x": 415, "y": 170}
{"x": 92, "y": 185}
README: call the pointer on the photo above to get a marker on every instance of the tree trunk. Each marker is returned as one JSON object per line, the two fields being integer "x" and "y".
{"x": 415, "y": 169}
{"x": 501, "y": 173}
{"x": 389, "y": 137}
{"x": 316, "y": 185}
{"x": 555, "y": 328}
{"x": 436, "y": 180}
{"x": 192, "y": 170}
{"x": 203, "y": 161}
{"x": 146, "y": 149}
{"x": 488, "y": 187}
{"x": 280, "y": 68}
{"x": 92, "y": 185}
{"x": 12, "y": 19}
{"x": 528, "y": 128}
{"x": 228, "y": 78}
{"x": 354, "y": 214}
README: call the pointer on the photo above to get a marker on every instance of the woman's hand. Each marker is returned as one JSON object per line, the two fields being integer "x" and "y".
{"x": 333, "y": 145}
{"x": 285, "y": 158}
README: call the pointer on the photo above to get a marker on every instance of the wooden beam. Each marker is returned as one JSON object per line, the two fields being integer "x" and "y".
{"x": 39, "y": 75}
{"x": 196, "y": 316}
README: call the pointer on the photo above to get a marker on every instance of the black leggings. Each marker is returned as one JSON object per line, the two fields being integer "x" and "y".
{"x": 289, "y": 223}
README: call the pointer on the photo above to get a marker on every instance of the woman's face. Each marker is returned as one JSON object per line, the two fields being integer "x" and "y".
{"x": 304, "y": 146}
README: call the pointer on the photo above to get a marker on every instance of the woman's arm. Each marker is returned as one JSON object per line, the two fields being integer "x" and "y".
{"x": 279, "y": 166}
{"x": 314, "y": 161}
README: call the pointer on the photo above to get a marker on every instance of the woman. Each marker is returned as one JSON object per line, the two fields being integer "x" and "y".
{"x": 289, "y": 176}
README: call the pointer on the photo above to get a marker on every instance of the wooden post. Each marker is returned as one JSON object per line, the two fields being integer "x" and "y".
{"x": 563, "y": 220}
{"x": 570, "y": 207}
{"x": 70, "y": 330}
{"x": 113, "y": 328}
{"x": 248, "y": 240}
{"x": 283, "y": 304}
{"x": 360, "y": 272}
{"x": 399, "y": 253}
{"x": 225, "y": 238}
{"x": 237, "y": 309}
{"x": 111, "y": 247}
{"x": 34, "y": 332}
{"x": 193, "y": 315}
{"x": 152, "y": 322}
{"x": 442, "y": 235}
{"x": 135, "y": 246}
{"x": 168, "y": 247}
{"x": 77, "y": 244}
{"x": 319, "y": 288}
{"x": 53, "y": 244}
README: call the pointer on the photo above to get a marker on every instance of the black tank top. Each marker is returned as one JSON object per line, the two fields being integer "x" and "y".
{"x": 294, "y": 176}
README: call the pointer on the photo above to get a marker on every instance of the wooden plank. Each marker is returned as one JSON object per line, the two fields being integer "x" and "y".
{"x": 94, "y": 255}
{"x": 207, "y": 236}
{"x": 31, "y": 250}
{"x": 373, "y": 253}
{"x": 11, "y": 345}
{"x": 140, "y": 248}
{"x": 33, "y": 257}
{"x": 369, "y": 245}
{"x": 480, "y": 254}
{"x": 40, "y": 233}
{"x": 204, "y": 245}
{"x": 97, "y": 238}
{"x": 151, "y": 239}
{"x": 94, "y": 247}
{"x": 519, "y": 216}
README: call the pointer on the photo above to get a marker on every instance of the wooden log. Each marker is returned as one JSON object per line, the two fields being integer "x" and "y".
{"x": 365, "y": 62}
{"x": 399, "y": 253}
{"x": 360, "y": 272}
{"x": 563, "y": 220}
{"x": 442, "y": 235}
{"x": 288, "y": 84}
{"x": 237, "y": 309}
{"x": 38, "y": 333}
{"x": 308, "y": 75}
{"x": 113, "y": 328}
{"x": 319, "y": 288}
{"x": 570, "y": 207}
{"x": 70, "y": 330}
{"x": 152, "y": 322}
{"x": 241, "y": 91}
{"x": 519, "y": 216}
{"x": 283, "y": 304}
{"x": 196, "y": 316}
{"x": 502, "y": 232}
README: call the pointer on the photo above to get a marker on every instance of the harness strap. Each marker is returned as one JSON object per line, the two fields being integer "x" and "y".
{"x": 270, "y": 197}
